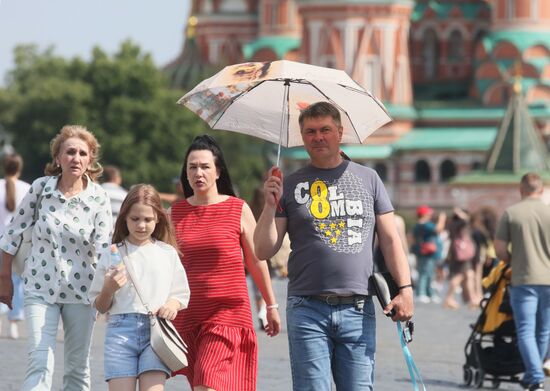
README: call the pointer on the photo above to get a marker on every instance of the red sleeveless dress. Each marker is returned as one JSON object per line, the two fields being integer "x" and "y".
{"x": 217, "y": 325}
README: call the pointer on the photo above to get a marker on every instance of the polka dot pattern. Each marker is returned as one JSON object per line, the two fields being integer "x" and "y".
{"x": 69, "y": 237}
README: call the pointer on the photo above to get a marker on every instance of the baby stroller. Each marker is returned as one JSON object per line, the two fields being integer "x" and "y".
{"x": 491, "y": 351}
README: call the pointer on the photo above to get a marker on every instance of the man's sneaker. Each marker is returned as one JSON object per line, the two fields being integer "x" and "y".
{"x": 534, "y": 387}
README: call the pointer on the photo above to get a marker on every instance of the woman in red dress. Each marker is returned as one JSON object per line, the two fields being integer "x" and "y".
{"x": 214, "y": 232}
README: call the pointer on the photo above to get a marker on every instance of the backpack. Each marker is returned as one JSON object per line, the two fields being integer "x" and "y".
{"x": 463, "y": 248}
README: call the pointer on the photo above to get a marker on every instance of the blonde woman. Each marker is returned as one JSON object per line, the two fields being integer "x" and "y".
{"x": 70, "y": 234}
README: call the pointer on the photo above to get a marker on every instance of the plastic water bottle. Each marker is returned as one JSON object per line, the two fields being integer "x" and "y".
{"x": 115, "y": 256}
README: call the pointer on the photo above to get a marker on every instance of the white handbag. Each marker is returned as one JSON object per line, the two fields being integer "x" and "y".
{"x": 24, "y": 250}
{"x": 165, "y": 339}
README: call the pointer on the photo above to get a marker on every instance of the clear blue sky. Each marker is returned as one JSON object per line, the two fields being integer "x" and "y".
{"x": 74, "y": 27}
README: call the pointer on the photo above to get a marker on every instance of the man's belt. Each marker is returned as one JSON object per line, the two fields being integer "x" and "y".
{"x": 337, "y": 300}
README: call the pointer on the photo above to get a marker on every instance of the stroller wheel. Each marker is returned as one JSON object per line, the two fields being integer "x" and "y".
{"x": 468, "y": 376}
{"x": 479, "y": 376}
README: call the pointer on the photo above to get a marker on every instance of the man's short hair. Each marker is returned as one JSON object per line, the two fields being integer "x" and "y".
{"x": 110, "y": 174}
{"x": 320, "y": 109}
{"x": 531, "y": 183}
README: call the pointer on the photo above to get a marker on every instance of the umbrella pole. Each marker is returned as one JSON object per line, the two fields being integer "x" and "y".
{"x": 284, "y": 119}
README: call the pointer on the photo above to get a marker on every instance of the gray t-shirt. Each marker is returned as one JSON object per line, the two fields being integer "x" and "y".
{"x": 525, "y": 225}
{"x": 331, "y": 216}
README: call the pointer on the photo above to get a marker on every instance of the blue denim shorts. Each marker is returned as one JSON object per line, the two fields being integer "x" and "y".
{"x": 128, "y": 351}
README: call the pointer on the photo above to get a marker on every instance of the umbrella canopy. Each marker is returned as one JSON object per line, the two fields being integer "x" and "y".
{"x": 264, "y": 99}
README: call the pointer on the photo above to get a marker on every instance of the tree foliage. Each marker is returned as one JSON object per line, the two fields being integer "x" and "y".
{"x": 126, "y": 102}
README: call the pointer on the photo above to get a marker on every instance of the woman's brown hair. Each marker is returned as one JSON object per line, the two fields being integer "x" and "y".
{"x": 13, "y": 164}
{"x": 147, "y": 195}
{"x": 81, "y": 132}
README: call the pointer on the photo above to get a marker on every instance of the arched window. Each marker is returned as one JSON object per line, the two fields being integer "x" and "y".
{"x": 422, "y": 172}
{"x": 382, "y": 171}
{"x": 430, "y": 53}
{"x": 447, "y": 170}
{"x": 456, "y": 46}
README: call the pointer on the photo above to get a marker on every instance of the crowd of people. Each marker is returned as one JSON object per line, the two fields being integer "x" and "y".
{"x": 458, "y": 248}
{"x": 468, "y": 246}
{"x": 316, "y": 225}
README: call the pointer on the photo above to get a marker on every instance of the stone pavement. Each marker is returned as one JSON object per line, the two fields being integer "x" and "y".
{"x": 438, "y": 348}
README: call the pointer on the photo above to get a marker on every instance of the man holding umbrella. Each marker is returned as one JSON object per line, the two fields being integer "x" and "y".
{"x": 331, "y": 209}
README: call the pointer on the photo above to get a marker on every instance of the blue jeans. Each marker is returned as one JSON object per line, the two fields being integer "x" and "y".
{"x": 42, "y": 320}
{"x": 531, "y": 306}
{"x": 425, "y": 267}
{"x": 327, "y": 338}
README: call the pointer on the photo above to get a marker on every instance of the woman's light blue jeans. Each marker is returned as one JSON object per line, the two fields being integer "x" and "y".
{"x": 42, "y": 320}
{"x": 325, "y": 339}
{"x": 531, "y": 306}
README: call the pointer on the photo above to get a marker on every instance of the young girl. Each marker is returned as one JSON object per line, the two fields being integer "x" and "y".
{"x": 147, "y": 242}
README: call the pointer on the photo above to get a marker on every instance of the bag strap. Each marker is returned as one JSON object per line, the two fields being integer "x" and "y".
{"x": 414, "y": 373}
{"x": 133, "y": 279}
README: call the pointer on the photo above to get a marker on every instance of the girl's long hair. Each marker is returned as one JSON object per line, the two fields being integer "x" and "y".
{"x": 147, "y": 195}
{"x": 223, "y": 183}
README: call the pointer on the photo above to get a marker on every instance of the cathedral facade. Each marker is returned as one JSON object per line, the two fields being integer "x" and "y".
{"x": 443, "y": 68}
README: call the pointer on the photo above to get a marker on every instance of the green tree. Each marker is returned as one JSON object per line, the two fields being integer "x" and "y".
{"x": 125, "y": 100}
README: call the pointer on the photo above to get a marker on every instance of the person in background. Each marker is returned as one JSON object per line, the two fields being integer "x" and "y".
{"x": 427, "y": 248}
{"x": 277, "y": 263}
{"x": 112, "y": 181}
{"x": 256, "y": 207}
{"x": 483, "y": 223}
{"x": 170, "y": 198}
{"x": 214, "y": 233}
{"x": 330, "y": 312}
{"x": 12, "y": 191}
{"x": 439, "y": 282}
{"x": 378, "y": 257}
{"x": 462, "y": 252}
{"x": 71, "y": 233}
{"x": 523, "y": 240}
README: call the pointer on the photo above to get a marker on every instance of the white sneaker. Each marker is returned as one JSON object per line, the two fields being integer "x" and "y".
{"x": 546, "y": 367}
{"x": 14, "y": 330}
{"x": 435, "y": 299}
{"x": 423, "y": 299}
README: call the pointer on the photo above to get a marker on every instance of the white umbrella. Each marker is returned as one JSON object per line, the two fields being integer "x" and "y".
{"x": 264, "y": 99}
